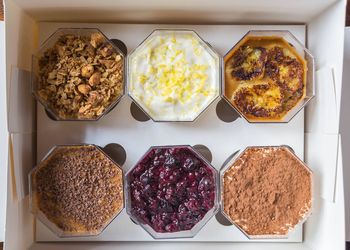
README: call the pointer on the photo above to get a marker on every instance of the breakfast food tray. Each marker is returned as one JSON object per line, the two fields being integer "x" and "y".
{"x": 119, "y": 126}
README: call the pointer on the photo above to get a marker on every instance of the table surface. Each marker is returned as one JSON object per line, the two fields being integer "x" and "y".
{"x": 1, "y": 11}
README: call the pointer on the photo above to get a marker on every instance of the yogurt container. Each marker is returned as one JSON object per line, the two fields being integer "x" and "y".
{"x": 173, "y": 75}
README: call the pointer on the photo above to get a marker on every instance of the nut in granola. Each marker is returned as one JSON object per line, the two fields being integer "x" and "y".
{"x": 87, "y": 71}
{"x": 84, "y": 89}
{"x": 80, "y": 77}
{"x": 95, "y": 79}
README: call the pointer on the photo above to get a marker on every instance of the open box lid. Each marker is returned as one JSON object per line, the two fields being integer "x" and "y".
{"x": 181, "y": 11}
{"x": 325, "y": 22}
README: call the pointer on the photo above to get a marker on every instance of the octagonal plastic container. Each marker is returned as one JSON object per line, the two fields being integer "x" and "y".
{"x": 34, "y": 194}
{"x": 48, "y": 44}
{"x": 230, "y": 162}
{"x": 173, "y": 75}
{"x": 300, "y": 49}
{"x": 147, "y": 226}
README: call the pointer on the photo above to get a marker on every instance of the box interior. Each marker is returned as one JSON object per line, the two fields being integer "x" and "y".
{"x": 325, "y": 229}
{"x": 120, "y": 127}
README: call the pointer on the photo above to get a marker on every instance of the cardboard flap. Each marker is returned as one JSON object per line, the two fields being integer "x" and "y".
{"x": 321, "y": 156}
{"x": 325, "y": 229}
{"x": 345, "y": 125}
{"x": 23, "y": 161}
{"x": 21, "y": 107}
{"x": 322, "y": 112}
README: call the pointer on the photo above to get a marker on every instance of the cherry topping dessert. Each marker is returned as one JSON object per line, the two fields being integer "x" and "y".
{"x": 171, "y": 189}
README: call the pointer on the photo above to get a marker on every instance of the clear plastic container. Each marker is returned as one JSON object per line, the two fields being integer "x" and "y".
{"x": 173, "y": 91}
{"x": 182, "y": 233}
{"x": 302, "y": 52}
{"x": 236, "y": 157}
{"x": 52, "y": 222}
{"x": 49, "y": 44}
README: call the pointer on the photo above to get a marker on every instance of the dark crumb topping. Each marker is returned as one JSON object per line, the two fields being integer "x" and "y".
{"x": 284, "y": 70}
{"x": 79, "y": 189}
{"x": 248, "y": 63}
{"x": 171, "y": 189}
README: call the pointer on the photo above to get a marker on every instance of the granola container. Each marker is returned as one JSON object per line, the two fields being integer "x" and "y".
{"x": 268, "y": 76}
{"x": 78, "y": 74}
{"x": 173, "y": 75}
{"x": 76, "y": 190}
{"x": 170, "y": 196}
{"x": 233, "y": 205}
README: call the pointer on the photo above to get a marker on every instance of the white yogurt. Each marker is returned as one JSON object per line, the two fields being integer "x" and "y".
{"x": 173, "y": 76}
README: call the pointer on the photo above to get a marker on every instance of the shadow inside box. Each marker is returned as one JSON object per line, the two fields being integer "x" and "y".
{"x": 226, "y": 113}
{"x": 204, "y": 151}
{"x": 222, "y": 219}
{"x": 223, "y": 111}
{"x": 51, "y": 116}
{"x": 121, "y": 45}
{"x": 137, "y": 113}
{"x": 116, "y": 152}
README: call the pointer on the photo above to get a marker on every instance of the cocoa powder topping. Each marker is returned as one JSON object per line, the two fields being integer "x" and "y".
{"x": 267, "y": 191}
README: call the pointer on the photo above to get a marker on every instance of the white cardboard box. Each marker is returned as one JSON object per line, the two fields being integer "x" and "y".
{"x": 3, "y": 134}
{"x": 345, "y": 125}
{"x": 325, "y": 34}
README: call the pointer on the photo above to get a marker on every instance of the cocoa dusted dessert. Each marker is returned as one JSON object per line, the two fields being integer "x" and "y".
{"x": 265, "y": 77}
{"x": 78, "y": 189}
{"x": 80, "y": 76}
{"x": 171, "y": 189}
{"x": 267, "y": 191}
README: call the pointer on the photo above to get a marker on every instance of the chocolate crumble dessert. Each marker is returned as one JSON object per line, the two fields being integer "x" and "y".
{"x": 79, "y": 189}
{"x": 267, "y": 191}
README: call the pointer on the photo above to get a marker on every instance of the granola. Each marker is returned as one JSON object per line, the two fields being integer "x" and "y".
{"x": 80, "y": 76}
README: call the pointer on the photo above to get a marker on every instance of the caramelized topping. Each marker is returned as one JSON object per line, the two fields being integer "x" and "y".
{"x": 264, "y": 77}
